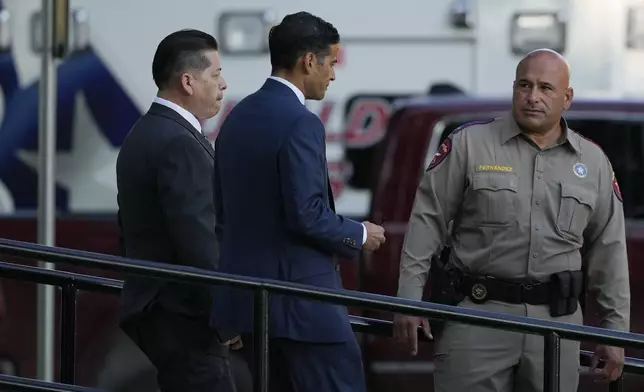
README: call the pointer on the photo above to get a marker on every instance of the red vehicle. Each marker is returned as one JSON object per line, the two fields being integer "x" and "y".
{"x": 96, "y": 313}
{"x": 415, "y": 130}
{"x": 104, "y": 356}
{"x": 392, "y": 170}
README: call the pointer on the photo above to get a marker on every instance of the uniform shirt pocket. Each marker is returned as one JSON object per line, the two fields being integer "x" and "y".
{"x": 495, "y": 195}
{"x": 576, "y": 206}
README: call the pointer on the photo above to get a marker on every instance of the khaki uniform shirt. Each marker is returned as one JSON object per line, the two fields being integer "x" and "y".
{"x": 520, "y": 212}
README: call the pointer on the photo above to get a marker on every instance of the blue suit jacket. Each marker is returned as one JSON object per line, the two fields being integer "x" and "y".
{"x": 274, "y": 203}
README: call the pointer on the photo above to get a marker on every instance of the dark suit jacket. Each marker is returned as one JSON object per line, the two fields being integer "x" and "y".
{"x": 166, "y": 210}
{"x": 274, "y": 202}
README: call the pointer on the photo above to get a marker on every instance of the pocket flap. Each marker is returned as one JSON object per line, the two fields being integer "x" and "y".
{"x": 580, "y": 194}
{"x": 495, "y": 181}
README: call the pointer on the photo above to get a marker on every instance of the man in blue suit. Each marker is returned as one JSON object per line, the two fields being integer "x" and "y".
{"x": 276, "y": 208}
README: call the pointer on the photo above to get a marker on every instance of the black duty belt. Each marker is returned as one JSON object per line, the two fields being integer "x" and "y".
{"x": 482, "y": 288}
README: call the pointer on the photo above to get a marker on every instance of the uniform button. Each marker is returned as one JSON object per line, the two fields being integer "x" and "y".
{"x": 540, "y": 177}
{"x": 537, "y": 227}
{"x": 538, "y": 202}
{"x": 534, "y": 255}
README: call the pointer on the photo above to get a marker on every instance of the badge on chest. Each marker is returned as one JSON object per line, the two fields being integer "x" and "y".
{"x": 580, "y": 170}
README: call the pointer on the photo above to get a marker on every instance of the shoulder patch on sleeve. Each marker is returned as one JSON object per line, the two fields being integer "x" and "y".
{"x": 443, "y": 151}
{"x": 446, "y": 147}
{"x": 618, "y": 192}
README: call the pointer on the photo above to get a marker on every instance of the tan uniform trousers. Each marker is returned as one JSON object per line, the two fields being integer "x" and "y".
{"x": 476, "y": 359}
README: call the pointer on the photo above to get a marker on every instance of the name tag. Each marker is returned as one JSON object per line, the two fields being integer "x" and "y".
{"x": 494, "y": 168}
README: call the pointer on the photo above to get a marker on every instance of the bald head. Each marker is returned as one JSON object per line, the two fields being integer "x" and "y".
{"x": 547, "y": 59}
{"x": 542, "y": 90}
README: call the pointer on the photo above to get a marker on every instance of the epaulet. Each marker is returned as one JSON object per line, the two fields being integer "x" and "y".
{"x": 471, "y": 124}
{"x": 616, "y": 190}
{"x": 446, "y": 147}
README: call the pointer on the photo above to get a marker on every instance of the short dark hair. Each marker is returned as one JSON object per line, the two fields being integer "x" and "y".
{"x": 179, "y": 52}
{"x": 298, "y": 34}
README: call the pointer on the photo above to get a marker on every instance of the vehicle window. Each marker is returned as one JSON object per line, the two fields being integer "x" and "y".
{"x": 623, "y": 143}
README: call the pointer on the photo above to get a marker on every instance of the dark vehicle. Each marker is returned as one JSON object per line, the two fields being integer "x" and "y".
{"x": 415, "y": 130}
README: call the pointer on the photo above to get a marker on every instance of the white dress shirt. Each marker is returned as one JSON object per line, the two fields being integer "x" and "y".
{"x": 297, "y": 91}
{"x": 182, "y": 112}
{"x": 300, "y": 96}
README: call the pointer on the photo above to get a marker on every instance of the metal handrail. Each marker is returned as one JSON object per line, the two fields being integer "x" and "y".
{"x": 374, "y": 326}
{"x": 13, "y": 383}
{"x": 552, "y": 331}
{"x": 83, "y": 282}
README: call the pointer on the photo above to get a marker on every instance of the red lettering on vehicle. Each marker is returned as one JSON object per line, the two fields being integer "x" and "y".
{"x": 341, "y": 58}
{"x": 325, "y": 116}
{"x": 339, "y": 171}
{"x": 367, "y": 122}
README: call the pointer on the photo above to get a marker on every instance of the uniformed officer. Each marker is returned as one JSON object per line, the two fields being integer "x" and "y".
{"x": 532, "y": 203}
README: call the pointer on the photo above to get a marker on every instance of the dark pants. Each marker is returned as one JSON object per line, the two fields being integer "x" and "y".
{"x": 311, "y": 367}
{"x": 186, "y": 352}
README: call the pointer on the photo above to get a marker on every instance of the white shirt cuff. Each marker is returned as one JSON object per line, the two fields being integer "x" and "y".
{"x": 364, "y": 234}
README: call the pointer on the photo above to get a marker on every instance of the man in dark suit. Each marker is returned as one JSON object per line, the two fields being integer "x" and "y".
{"x": 274, "y": 197}
{"x": 167, "y": 214}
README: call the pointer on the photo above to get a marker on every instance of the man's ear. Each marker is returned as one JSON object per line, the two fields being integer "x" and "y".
{"x": 569, "y": 95}
{"x": 186, "y": 81}
{"x": 308, "y": 61}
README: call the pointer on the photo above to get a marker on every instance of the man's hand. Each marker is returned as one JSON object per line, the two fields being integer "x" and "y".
{"x": 375, "y": 236}
{"x": 406, "y": 331}
{"x": 613, "y": 362}
{"x": 235, "y": 343}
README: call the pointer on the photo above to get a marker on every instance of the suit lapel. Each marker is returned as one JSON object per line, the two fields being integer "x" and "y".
{"x": 170, "y": 114}
{"x": 203, "y": 141}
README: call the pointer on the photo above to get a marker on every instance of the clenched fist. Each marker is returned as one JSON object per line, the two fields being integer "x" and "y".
{"x": 375, "y": 236}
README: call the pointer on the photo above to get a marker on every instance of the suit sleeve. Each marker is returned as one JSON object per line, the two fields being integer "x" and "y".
{"x": 438, "y": 198}
{"x": 302, "y": 176}
{"x": 219, "y": 202}
{"x": 604, "y": 254}
{"x": 184, "y": 181}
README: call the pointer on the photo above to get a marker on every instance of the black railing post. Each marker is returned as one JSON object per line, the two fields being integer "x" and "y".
{"x": 551, "y": 359}
{"x": 68, "y": 334}
{"x": 260, "y": 339}
{"x": 617, "y": 385}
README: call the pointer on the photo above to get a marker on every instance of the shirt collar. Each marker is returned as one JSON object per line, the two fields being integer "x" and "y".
{"x": 297, "y": 91}
{"x": 511, "y": 130}
{"x": 182, "y": 112}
